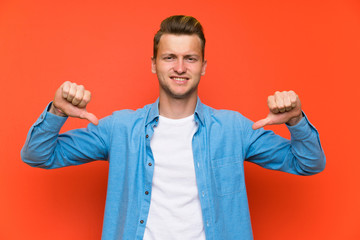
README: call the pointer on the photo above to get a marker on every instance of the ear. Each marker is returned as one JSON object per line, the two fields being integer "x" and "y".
{"x": 203, "y": 69}
{"x": 153, "y": 65}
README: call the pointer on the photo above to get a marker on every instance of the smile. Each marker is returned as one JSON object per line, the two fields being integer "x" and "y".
{"x": 179, "y": 79}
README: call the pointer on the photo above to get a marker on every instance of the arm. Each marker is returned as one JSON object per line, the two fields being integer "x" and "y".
{"x": 46, "y": 148}
{"x": 301, "y": 155}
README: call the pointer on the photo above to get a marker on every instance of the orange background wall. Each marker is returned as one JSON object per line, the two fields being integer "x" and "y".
{"x": 253, "y": 49}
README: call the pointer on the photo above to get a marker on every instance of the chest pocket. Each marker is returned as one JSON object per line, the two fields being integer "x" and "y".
{"x": 229, "y": 175}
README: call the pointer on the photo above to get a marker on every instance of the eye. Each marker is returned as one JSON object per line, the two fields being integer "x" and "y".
{"x": 168, "y": 58}
{"x": 191, "y": 59}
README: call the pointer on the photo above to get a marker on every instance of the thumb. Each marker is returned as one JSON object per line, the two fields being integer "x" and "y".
{"x": 261, "y": 123}
{"x": 90, "y": 117}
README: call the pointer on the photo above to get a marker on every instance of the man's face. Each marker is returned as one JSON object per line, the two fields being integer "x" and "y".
{"x": 179, "y": 65}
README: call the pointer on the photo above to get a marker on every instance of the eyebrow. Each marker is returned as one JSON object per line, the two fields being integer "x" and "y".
{"x": 174, "y": 55}
{"x": 168, "y": 54}
{"x": 191, "y": 55}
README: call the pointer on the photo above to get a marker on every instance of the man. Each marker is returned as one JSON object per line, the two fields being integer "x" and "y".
{"x": 175, "y": 166}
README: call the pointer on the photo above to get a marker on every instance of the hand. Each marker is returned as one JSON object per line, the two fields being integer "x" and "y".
{"x": 71, "y": 100}
{"x": 285, "y": 107}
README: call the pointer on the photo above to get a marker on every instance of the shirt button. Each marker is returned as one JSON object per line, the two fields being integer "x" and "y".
{"x": 150, "y": 164}
{"x": 146, "y": 193}
{"x": 141, "y": 221}
{"x": 147, "y": 136}
{"x": 156, "y": 119}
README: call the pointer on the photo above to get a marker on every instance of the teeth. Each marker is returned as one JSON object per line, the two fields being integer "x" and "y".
{"x": 179, "y": 79}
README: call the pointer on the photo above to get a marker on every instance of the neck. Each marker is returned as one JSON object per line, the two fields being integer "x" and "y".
{"x": 177, "y": 108}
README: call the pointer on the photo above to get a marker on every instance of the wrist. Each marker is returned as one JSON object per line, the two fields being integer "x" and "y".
{"x": 57, "y": 111}
{"x": 295, "y": 120}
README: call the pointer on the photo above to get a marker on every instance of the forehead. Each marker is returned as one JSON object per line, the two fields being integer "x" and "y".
{"x": 179, "y": 44}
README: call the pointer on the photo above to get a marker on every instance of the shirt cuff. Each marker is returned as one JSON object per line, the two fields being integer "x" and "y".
{"x": 50, "y": 122}
{"x": 302, "y": 129}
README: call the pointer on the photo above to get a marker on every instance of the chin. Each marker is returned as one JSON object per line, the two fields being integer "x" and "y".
{"x": 178, "y": 93}
{"x": 183, "y": 95}
{"x": 180, "y": 96}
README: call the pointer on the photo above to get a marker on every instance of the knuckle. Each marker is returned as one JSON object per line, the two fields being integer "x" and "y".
{"x": 88, "y": 94}
{"x": 66, "y": 83}
{"x": 65, "y": 91}
{"x": 270, "y": 100}
{"x": 288, "y": 104}
{"x": 66, "y": 86}
{"x": 70, "y": 97}
{"x": 82, "y": 104}
{"x": 77, "y": 99}
{"x": 85, "y": 100}
{"x": 293, "y": 94}
{"x": 82, "y": 115}
{"x": 274, "y": 110}
{"x": 272, "y": 105}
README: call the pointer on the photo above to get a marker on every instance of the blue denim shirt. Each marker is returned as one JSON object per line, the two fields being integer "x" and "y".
{"x": 223, "y": 141}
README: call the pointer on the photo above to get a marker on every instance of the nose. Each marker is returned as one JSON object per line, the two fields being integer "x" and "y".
{"x": 179, "y": 66}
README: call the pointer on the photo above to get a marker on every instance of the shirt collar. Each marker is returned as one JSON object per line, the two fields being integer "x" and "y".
{"x": 154, "y": 112}
{"x": 199, "y": 111}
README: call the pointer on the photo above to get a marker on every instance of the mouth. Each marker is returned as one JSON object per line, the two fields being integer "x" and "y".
{"x": 179, "y": 80}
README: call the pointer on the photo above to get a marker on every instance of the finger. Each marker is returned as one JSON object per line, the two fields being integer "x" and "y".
{"x": 280, "y": 101}
{"x": 65, "y": 89}
{"x": 287, "y": 101}
{"x": 78, "y": 95}
{"x": 85, "y": 99}
{"x": 293, "y": 98}
{"x": 261, "y": 123}
{"x": 72, "y": 92}
{"x": 90, "y": 117}
{"x": 272, "y": 105}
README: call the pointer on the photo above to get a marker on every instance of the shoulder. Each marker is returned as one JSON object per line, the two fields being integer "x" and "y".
{"x": 226, "y": 120}
{"x": 222, "y": 114}
{"x": 130, "y": 114}
{"x": 125, "y": 117}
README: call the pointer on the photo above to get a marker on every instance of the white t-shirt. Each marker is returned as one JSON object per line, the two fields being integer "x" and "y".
{"x": 175, "y": 211}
